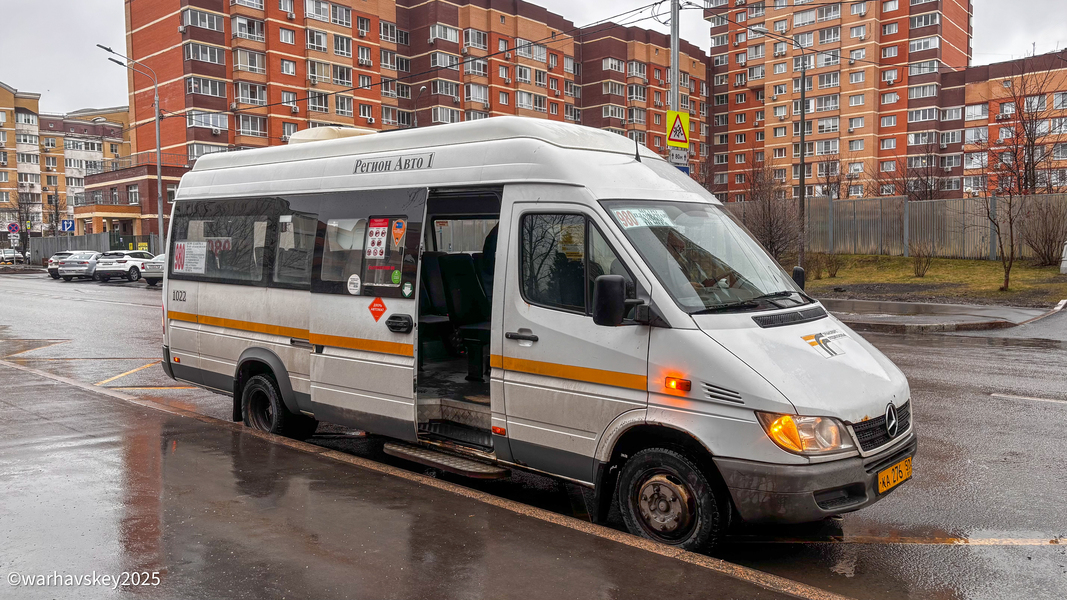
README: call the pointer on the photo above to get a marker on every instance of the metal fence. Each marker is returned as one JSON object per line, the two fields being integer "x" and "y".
{"x": 43, "y": 247}
{"x": 955, "y": 228}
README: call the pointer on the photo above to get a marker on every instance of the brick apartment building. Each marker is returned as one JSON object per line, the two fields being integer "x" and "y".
{"x": 249, "y": 73}
{"x": 44, "y": 158}
{"x": 875, "y": 77}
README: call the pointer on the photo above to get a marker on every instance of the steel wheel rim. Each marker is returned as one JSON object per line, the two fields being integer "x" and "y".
{"x": 260, "y": 410}
{"x": 664, "y": 505}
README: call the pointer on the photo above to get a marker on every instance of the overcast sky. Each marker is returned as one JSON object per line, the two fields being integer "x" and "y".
{"x": 49, "y": 46}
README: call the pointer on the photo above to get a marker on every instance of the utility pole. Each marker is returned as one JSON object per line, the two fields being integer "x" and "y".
{"x": 802, "y": 209}
{"x": 675, "y": 13}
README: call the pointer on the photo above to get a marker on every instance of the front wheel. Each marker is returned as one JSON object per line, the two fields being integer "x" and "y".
{"x": 54, "y": 275}
{"x": 664, "y": 496}
{"x": 104, "y": 279}
{"x": 151, "y": 282}
{"x": 262, "y": 408}
{"x": 133, "y": 274}
{"x": 67, "y": 278}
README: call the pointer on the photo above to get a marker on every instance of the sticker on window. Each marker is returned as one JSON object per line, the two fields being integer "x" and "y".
{"x": 190, "y": 257}
{"x": 642, "y": 217}
{"x": 377, "y": 234}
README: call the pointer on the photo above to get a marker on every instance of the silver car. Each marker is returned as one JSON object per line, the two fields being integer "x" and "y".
{"x": 81, "y": 265}
{"x": 152, "y": 270}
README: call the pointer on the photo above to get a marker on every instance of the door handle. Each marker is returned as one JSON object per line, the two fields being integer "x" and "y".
{"x": 300, "y": 343}
{"x": 514, "y": 335}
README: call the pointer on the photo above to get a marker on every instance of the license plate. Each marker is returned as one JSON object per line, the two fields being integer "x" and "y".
{"x": 894, "y": 476}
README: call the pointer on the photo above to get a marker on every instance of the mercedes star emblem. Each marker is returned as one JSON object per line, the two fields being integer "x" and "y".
{"x": 891, "y": 422}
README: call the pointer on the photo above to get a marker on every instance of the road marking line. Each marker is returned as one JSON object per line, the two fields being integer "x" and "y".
{"x": 172, "y": 387}
{"x": 1011, "y": 397}
{"x": 130, "y": 372}
{"x": 753, "y": 576}
{"x": 893, "y": 541}
{"x": 97, "y": 300}
{"x": 54, "y": 343}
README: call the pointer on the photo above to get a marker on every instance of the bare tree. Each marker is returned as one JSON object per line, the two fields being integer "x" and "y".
{"x": 769, "y": 214}
{"x": 27, "y": 207}
{"x": 54, "y": 209}
{"x": 828, "y": 174}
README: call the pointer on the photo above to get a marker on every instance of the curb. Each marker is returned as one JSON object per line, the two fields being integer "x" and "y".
{"x": 879, "y": 327}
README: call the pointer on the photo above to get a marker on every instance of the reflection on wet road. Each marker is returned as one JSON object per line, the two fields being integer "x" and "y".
{"x": 983, "y": 517}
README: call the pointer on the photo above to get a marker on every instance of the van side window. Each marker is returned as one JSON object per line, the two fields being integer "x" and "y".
{"x": 561, "y": 255}
{"x": 294, "y": 248}
{"x": 342, "y": 253}
{"x": 221, "y": 241}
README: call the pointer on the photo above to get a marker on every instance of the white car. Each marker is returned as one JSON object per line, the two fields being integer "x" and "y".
{"x": 10, "y": 256}
{"x": 152, "y": 270}
{"x": 121, "y": 263}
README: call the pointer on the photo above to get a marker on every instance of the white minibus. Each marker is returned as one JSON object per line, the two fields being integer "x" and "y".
{"x": 518, "y": 293}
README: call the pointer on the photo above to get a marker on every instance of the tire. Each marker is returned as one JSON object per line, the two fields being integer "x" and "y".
{"x": 664, "y": 496}
{"x": 262, "y": 408}
{"x": 104, "y": 279}
{"x": 133, "y": 274}
{"x": 54, "y": 275}
{"x": 151, "y": 282}
{"x": 67, "y": 278}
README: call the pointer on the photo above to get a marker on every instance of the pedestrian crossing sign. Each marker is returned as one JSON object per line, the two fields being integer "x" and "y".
{"x": 678, "y": 129}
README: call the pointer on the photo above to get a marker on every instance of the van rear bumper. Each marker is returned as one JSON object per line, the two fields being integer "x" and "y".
{"x": 766, "y": 493}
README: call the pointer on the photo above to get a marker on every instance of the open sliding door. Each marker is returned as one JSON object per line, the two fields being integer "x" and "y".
{"x": 363, "y": 310}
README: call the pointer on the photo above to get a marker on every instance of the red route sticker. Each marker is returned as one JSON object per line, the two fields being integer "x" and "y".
{"x": 377, "y": 309}
{"x": 378, "y": 223}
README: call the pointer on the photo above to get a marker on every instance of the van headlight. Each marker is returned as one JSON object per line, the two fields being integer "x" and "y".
{"x": 806, "y": 435}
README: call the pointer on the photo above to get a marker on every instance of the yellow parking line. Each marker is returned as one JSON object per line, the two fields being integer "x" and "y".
{"x": 920, "y": 541}
{"x": 155, "y": 362}
{"x": 173, "y": 387}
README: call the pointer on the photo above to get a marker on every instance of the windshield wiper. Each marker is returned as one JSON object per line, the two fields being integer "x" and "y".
{"x": 748, "y": 303}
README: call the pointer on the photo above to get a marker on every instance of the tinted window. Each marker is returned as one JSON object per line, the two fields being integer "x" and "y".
{"x": 223, "y": 241}
{"x": 295, "y": 247}
{"x": 561, "y": 257}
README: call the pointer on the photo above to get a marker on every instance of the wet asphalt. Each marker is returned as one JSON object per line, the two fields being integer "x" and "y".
{"x": 92, "y": 482}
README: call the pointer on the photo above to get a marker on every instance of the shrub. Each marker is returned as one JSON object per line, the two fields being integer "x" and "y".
{"x": 922, "y": 255}
{"x": 834, "y": 262}
{"x": 813, "y": 264}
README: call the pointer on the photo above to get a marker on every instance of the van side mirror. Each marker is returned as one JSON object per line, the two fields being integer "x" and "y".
{"x": 798, "y": 276}
{"x": 609, "y": 300}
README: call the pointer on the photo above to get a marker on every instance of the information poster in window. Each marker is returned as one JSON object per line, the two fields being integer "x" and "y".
{"x": 190, "y": 257}
{"x": 377, "y": 238}
{"x": 384, "y": 252}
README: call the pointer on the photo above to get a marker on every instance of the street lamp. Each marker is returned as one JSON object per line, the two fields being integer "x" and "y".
{"x": 803, "y": 113}
{"x": 151, "y": 74}
{"x": 415, "y": 115}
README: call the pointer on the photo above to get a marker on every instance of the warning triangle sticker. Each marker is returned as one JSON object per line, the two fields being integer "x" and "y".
{"x": 678, "y": 132}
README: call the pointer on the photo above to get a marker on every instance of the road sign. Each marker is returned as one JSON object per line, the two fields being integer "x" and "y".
{"x": 66, "y": 225}
{"x": 12, "y": 227}
{"x": 684, "y": 170}
{"x": 13, "y": 238}
{"x": 678, "y": 129}
{"x": 678, "y": 156}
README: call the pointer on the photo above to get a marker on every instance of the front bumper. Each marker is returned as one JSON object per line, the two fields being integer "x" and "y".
{"x": 770, "y": 493}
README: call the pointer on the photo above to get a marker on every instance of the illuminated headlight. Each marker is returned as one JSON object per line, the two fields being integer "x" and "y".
{"x": 806, "y": 435}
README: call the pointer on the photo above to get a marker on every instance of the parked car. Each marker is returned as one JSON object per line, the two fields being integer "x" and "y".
{"x": 10, "y": 256}
{"x": 80, "y": 265}
{"x": 121, "y": 263}
{"x": 152, "y": 270}
{"x": 53, "y": 261}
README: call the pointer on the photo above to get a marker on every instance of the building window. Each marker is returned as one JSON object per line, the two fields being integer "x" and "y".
{"x": 342, "y": 46}
{"x": 252, "y": 125}
{"x": 250, "y": 93}
{"x": 253, "y": 62}
{"x": 473, "y": 38}
{"x": 343, "y": 105}
{"x": 204, "y": 86}
{"x": 133, "y": 194}
{"x": 440, "y": 114}
{"x": 249, "y": 29}
{"x": 889, "y": 29}
{"x": 203, "y": 53}
{"x": 440, "y": 31}
{"x": 316, "y": 40}
{"x": 288, "y": 67}
{"x": 203, "y": 20}
{"x": 287, "y": 36}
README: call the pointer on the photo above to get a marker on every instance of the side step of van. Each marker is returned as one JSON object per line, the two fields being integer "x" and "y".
{"x": 446, "y": 462}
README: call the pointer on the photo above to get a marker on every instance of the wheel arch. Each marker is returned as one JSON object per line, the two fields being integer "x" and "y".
{"x": 260, "y": 361}
{"x": 631, "y": 436}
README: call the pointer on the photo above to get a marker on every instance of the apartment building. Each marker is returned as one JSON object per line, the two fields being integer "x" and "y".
{"x": 625, "y": 86}
{"x": 873, "y": 73}
{"x": 44, "y": 157}
{"x": 249, "y": 73}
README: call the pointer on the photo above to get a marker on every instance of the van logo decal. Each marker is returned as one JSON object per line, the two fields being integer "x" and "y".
{"x": 825, "y": 344}
{"x": 387, "y": 164}
{"x": 891, "y": 421}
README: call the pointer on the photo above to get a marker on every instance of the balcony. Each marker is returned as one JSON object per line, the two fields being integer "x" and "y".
{"x": 136, "y": 160}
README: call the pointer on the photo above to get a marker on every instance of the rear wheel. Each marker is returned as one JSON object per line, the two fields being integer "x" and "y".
{"x": 54, "y": 275}
{"x": 664, "y": 496}
{"x": 151, "y": 281}
{"x": 262, "y": 408}
{"x": 67, "y": 278}
{"x": 133, "y": 274}
{"x": 105, "y": 279}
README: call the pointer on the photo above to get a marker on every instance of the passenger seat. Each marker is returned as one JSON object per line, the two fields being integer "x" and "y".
{"x": 468, "y": 309}
{"x": 433, "y": 306}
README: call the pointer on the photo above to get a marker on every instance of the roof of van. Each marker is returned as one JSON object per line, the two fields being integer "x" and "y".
{"x": 494, "y": 151}
{"x": 564, "y": 135}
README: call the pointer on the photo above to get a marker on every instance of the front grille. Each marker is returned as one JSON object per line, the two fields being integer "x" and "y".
{"x": 871, "y": 433}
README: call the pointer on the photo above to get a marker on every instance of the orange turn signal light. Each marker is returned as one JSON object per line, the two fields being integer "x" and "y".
{"x": 682, "y": 385}
{"x": 177, "y": 360}
{"x": 499, "y": 430}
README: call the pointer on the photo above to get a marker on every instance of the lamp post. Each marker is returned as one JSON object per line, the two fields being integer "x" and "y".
{"x": 415, "y": 114}
{"x": 151, "y": 74}
{"x": 801, "y": 209}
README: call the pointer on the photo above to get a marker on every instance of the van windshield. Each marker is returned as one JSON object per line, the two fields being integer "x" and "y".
{"x": 706, "y": 260}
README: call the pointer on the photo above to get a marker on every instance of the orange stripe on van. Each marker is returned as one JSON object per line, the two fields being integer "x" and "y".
{"x": 351, "y": 343}
{"x": 615, "y": 378}
{"x": 291, "y": 332}
{"x": 180, "y": 316}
